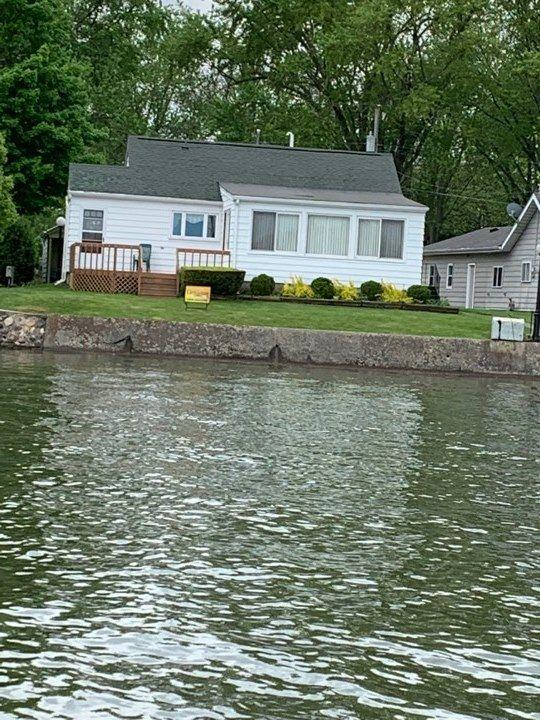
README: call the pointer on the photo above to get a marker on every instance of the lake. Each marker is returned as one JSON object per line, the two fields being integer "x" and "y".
{"x": 194, "y": 539}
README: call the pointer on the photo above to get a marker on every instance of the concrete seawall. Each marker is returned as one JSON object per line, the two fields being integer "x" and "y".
{"x": 319, "y": 347}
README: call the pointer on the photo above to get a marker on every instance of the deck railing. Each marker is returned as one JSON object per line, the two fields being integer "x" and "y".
{"x": 193, "y": 257}
{"x": 105, "y": 268}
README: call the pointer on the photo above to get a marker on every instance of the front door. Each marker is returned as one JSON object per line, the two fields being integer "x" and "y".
{"x": 471, "y": 278}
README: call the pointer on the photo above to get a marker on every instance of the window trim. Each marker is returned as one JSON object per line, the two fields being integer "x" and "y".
{"x": 529, "y": 263}
{"x": 204, "y": 236}
{"x": 449, "y": 276}
{"x": 493, "y": 276}
{"x": 380, "y": 220}
{"x": 277, "y": 214}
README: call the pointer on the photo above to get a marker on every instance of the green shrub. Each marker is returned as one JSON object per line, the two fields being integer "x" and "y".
{"x": 371, "y": 290}
{"x": 223, "y": 281}
{"x": 323, "y": 288}
{"x": 296, "y": 287}
{"x": 419, "y": 293}
{"x": 19, "y": 246}
{"x": 392, "y": 294}
{"x": 434, "y": 294}
{"x": 346, "y": 291}
{"x": 262, "y": 285}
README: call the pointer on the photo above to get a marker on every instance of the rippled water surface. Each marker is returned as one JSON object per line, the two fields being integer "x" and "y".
{"x": 185, "y": 540}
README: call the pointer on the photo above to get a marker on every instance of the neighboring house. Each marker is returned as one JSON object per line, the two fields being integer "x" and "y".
{"x": 493, "y": 267}
{"x": 260, "y": 208}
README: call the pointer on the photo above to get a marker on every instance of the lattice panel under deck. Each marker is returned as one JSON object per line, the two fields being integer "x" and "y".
{"x": 105, "y": 281}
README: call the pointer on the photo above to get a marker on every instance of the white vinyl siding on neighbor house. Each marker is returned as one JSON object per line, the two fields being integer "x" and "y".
{"x": 320, "y": 256}
{"x": 132, "y": 221}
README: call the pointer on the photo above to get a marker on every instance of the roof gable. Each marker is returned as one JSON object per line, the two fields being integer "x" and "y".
{"x": 195, "y": 169}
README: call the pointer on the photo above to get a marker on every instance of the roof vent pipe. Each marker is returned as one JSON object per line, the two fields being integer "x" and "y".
{"x": 370, "y": 143}
{"x": 290, "y": 135}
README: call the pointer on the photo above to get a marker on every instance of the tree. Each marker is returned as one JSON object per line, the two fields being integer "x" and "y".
{"x": 43, "y": 102}
{"x": 8, "y": 212}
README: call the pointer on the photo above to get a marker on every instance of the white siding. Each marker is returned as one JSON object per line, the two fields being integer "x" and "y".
{"x": 485, "y": 295}
{"x": 132, "y": 221}
{"x": 281, "y": 266}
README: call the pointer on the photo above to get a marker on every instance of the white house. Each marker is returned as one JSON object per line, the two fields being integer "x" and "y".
{"x": 272, "y": 209}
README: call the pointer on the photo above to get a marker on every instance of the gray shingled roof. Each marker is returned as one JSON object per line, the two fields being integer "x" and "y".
{"x": 302, "y": 193}
{"x": 487, "y": 239}
{"x": 194, "y": 169}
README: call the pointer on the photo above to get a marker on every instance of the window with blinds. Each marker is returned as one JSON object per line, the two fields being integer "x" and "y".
{"x": 275, "y": 232}
{"x": 380, "y": 238}
{"x": 328, "y": 235}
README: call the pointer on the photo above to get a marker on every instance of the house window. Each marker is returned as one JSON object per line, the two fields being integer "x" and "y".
{"x": 526, "y": 271}
{"x": 92, "y": 229}
{"x": 380, "y": 239}
{"x": 432, "y": 275}
{"x": 327, "y": 235}
{"x": 197, "y": 225}
{"x": 449, "y": 276}
{"x": 392, "y": 239}
{"x": 194, "y": 225}
{"x": 497, "y": 276}
{"x": 275, "y": 232}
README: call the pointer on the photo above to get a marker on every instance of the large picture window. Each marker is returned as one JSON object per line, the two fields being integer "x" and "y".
{"x": 92, "y": 228}
{"x": 327, "y": 235}
{"x": 275, "y": 232}
{"x": 380, "y": 238}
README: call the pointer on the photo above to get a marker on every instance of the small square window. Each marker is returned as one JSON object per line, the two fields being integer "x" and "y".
{"x": 177, "y": 224}
{"x": 526, "y": 271}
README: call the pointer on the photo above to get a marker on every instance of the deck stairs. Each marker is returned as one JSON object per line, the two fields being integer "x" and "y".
{"x": 158, "y": 284}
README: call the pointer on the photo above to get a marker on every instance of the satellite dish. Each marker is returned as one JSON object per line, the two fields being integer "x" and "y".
{"x": 514, "y": 210}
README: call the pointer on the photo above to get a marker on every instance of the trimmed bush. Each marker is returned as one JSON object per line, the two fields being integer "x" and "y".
{"x": 296, "y": 287}
{"x": 346, "y": 291}
{"x": 262, "y": 285}
{"x": 323, "y": 288}
{"x": 19, "y": 246}
{"x": 419, "y": 293}
{"x": 371, "y": 290}
{"x": 223, "y": 281}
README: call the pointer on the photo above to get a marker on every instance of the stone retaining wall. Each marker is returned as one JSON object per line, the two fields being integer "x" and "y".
{"x": 319, "y": 347}
{"x": 21, "y": 330}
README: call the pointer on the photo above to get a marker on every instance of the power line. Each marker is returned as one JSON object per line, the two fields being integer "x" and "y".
{"x": 456, "y": 195}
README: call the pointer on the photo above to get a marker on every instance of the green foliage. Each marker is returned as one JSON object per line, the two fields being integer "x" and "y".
{"x": 262, "y": 285}
{"x": 8, "y": 213}
{"x": 323, "y": 288}
{"x": 371, "y": 290}
{"x": 392, "y": 294}
{"x": 346, "y": 290}
{"x": 223, "y": 281}
{"x": 420, "y": 293}
{"x": 296, "y": 287}
{"x": 19, "y": 246}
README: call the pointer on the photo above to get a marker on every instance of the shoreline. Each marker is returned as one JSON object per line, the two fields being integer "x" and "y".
{"x": 329, "y": 348}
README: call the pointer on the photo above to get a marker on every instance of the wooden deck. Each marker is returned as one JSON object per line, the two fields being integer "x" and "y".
{"x": 107, "y": 268}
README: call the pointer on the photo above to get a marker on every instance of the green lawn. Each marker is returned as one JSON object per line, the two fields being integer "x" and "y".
{"x": 50, "y": 299}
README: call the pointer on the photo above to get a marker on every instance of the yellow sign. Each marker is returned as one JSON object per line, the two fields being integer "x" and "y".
{"x": 197, "y": 294}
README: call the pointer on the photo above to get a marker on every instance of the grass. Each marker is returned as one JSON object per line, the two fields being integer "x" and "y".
{"x": 50, "y": 299}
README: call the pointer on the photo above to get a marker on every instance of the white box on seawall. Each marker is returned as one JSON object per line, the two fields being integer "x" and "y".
{"x": 507, "y": 329}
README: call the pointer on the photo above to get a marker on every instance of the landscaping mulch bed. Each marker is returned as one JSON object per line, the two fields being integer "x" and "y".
{"x": 415, "y": 307}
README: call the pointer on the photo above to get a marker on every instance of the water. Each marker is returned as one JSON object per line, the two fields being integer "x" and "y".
{"x": 185, "y": 540}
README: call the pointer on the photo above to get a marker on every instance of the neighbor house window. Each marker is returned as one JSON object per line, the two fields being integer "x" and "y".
{"x": 196, "y": 225}
{"x": 497, "y": 277}
{"x": 449, "y": 276}
{"x": 380, "y": 239}
{"x": 526, "y": 271}
{"x": 432, "y": 275}
{"x": 327, "y": 235}
{"x": 275, "y": 232}
{"x": 92, "y": 229}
